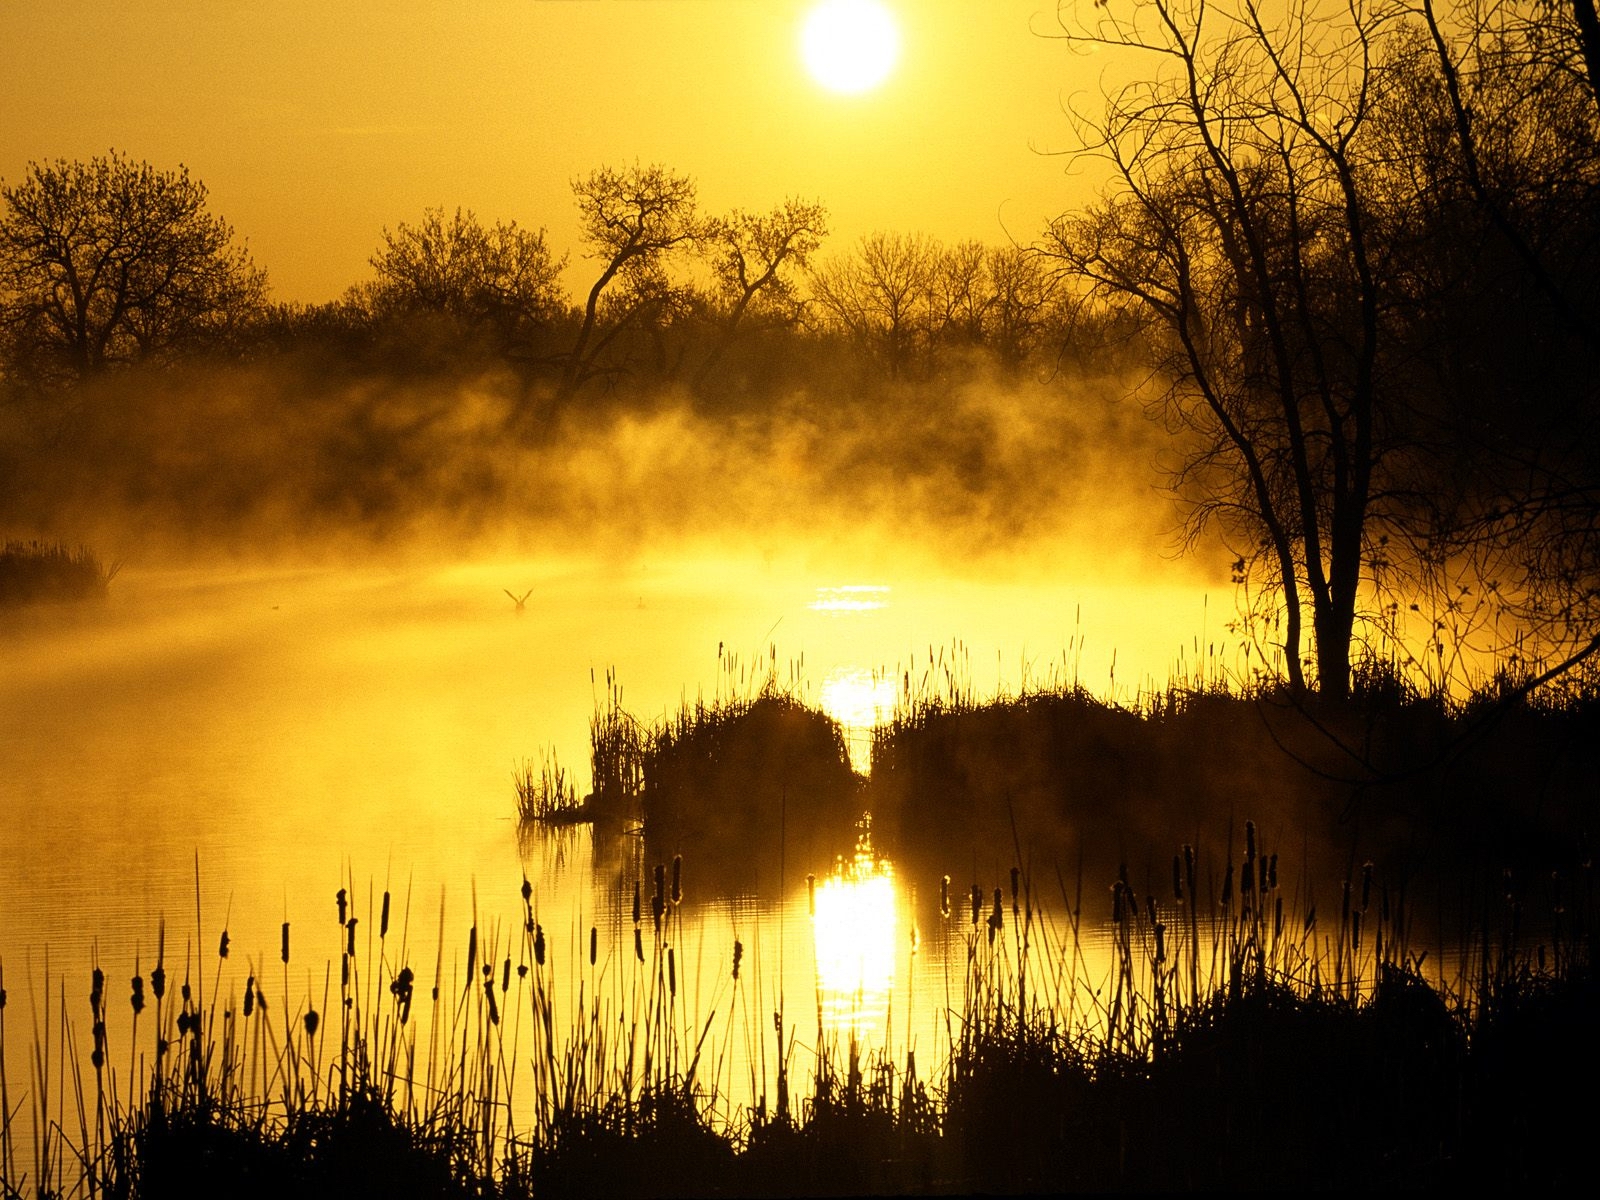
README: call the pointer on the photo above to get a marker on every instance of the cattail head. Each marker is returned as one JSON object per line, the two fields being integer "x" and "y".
{"x": 738, "y": 953}
{"x": 136, "y": 1000}
{"x": 811, "y": 894}
{"x": 672, "y": 971}
{"x": 97, "y": 989}
{"x": 311, "y": 1022}
{"x": 594, "y": 944}
{"x": 636, "y": 909}
{"x": 977, "y": 904}
{"x": 494, "y": 1010}
{"x": 383, "y": 918}
{"x": 284, "y": 951}
{"x": 944, "y": 896}
{"x": 222, "y": 946}
{"x": 350, "y": 937}
{"x": 158, "y": 981}
{"x": 472, "y": 953}
{"x": 638, "y": 944}
{"x": 527, "y": 891}
{"x": 249, "y": 996}
{"x": 505, "y": 975}
{"x": 340, "y": 899}
{"x": 677, "y": 879}
{"x": 1161, "y": 942}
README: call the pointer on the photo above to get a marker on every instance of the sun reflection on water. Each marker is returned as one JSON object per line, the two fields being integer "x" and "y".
{"x": 853, "y": 926}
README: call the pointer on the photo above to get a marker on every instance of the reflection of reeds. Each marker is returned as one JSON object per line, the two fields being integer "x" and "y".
{"x": 1233, "y": 1038}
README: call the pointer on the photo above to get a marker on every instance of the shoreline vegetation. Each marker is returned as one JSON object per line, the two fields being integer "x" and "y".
{"x": 1233, "y": 1042}
{"x": 39, "y": 572}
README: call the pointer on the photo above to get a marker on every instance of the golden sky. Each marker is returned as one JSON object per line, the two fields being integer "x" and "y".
{"x": 315, "y": 123}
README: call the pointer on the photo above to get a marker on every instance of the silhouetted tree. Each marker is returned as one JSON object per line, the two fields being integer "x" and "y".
{"x": 881, "y": 293}
{"x": 631, "y": 220}
{"x": 499, "y": 281}
{"x": 755, "y": 259}
{"x": 112, "y": 261}
{"x": 1237, "y": 228}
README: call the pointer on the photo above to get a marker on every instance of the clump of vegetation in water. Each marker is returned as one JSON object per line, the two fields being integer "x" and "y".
{"x": 1234, "y": 1040}
{"x": 33, "y": 572}
{"x": 547, "y": 796}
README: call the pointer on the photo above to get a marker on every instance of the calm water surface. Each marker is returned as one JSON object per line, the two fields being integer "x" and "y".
{"x": 251, "y": 741}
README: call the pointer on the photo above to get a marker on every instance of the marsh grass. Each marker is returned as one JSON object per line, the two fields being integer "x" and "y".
{"x": 1234, "y": 1039}
{"x": 547, "y": 796}
{"x": 33, "y": 572}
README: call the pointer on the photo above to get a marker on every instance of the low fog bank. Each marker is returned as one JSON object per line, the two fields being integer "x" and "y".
{"x": 279, "y": 464}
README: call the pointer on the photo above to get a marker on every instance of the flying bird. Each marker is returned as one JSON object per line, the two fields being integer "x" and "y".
{"x": 520, "y": 601}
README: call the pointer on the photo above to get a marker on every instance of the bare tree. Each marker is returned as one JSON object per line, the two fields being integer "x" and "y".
{"x": 632, "y": 219}
{"x": 1236, "y": 227}
{"x": 501, "y": 279}
{"x": 881, "y": 293}
{"x": 112, "y": 261}
{"x": 755, "y": 259}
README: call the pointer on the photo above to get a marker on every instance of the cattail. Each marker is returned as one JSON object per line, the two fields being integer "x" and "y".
{"x": 136, "y": 1000}
{"x": 944, "y": 896}
{"x": 1177, "y": 878}
{"x": 97, "y": 987}
{"x": 527, "y": 890}
{"x": 249, "y": 996}
{"x": 594, "y": 944}
{"x": 383, "y": 919}
{"x": 1161, "y": 942}
{"x": 284, "y": 952}
{"x": 158, "y": 981}
{"x": 635, "y": 901}
{"x": 1272, "y": 873}
{"x": 344, "y": 970}
{"x": 638, "y": 945}
{"x": 1188, "y": 866}
{"x": 222, "y": 946}
{"x": 350, "y": 937}
{"x": 538, "y": 944}
{"x": 677, "y": 879}
{"x": 311, "y": 1022}
{"x": 672, "y": 971}
{"x": 1247, "y": 878}
{"x": 184, "y": 991}
{"x": 505, "y": 975}
{"x": 811, "y": 894}
{"x": 339, "y": 898}
{"x": 522, "y": 968}
{"x": 472, "y": 954}
{"x": 738, "y": 953}
{"x": 977, "y": 904}
{"x": 494, "y": 1011}
{"x": 1150, "y": 907}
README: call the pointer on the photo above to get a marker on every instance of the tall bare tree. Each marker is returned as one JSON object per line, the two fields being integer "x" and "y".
{"x": 1236, "y": 228}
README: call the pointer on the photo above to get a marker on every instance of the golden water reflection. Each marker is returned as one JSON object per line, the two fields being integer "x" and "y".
{"x": 859, "y": 700}
{"x": 853, "y": 927}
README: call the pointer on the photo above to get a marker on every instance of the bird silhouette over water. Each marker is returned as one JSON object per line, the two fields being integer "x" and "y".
{"x": 520, "y": 601}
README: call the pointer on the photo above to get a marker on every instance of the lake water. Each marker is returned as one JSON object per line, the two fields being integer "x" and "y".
{"x": 250, "y": 741}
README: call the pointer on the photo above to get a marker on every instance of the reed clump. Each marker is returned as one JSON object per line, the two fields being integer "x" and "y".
{"x": 34, "y": 572}
{"x": 548, "y": 795}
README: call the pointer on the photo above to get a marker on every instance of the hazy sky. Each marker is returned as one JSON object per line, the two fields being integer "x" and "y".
{"x": 315, "y": 123}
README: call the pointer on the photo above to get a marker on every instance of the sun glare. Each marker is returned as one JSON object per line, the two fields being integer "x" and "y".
{"x": 849, "y": 46}
{"x": 853, "y": 922}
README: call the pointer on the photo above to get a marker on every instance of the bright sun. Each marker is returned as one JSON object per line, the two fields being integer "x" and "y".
{"x": 849, "y": 46}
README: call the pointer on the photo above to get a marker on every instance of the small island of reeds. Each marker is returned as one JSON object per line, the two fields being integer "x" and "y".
{"x": 34, "y": 572}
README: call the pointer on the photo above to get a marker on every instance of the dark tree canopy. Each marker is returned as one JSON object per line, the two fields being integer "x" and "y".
{"x": 113, "y": 261}
{"x": 500, "y": 280}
